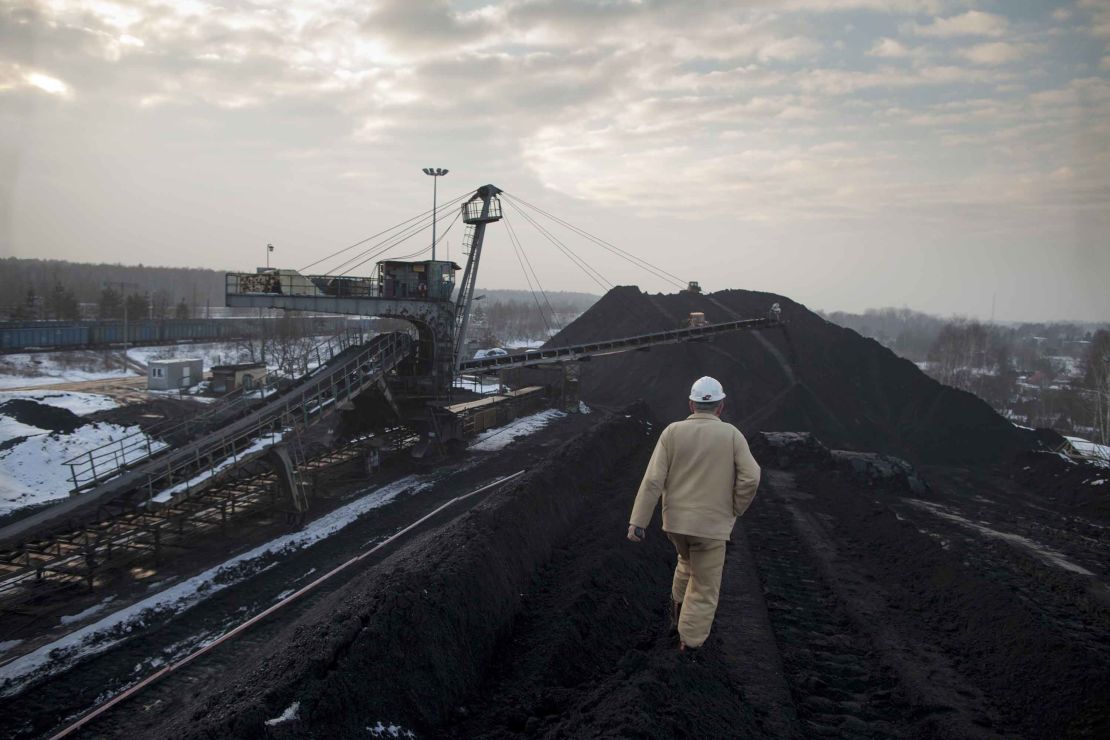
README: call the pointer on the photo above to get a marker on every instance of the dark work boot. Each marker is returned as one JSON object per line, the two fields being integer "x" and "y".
{"x": 690, "y": 654}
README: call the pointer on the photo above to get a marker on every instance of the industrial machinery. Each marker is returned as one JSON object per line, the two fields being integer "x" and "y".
{"x": 130, "y": 491}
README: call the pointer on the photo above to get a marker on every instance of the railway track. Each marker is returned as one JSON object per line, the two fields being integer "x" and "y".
{"x": 181, "y": 653}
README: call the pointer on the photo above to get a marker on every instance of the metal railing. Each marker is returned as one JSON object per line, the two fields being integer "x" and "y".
{"x": 201, "y": 461}
{"x": 104, "y": 462}
{"x": 295, "y": 284}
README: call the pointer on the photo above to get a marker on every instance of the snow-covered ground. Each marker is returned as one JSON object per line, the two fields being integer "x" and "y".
{"x": 257, "y": 445}
{"x": 1040, "y": 551}
{"x": 1090, "y": 450}
{"x": 34, "y": 471}
{"x": 81, "y": 404}
{"x": 479, "y": 384}
{"x": 501, "y": 437}
{"x": 107, "y": 632}
{"x": 46, "y": 368}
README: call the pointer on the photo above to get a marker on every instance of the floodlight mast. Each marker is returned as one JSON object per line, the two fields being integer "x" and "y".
{"x": 435, "y": 173}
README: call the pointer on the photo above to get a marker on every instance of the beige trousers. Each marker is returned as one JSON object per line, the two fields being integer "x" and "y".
{"x": 697, "y": 584}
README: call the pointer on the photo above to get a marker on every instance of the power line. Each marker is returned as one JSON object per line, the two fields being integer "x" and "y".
{"x": 428, "y": 248}
{"x": 389, "y": 242}
{"x": 624, "y": 254}
{"x": 398, "y": 240}
{"x": 527, "y": 279}
{"x": 518, "y": 244}
{"x": 420, "y": 216}
{"x": 591, "y": 273}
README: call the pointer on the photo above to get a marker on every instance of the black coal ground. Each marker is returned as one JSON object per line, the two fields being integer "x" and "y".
{"x": 531, "y": 616}
{"x": 850, "y": 609}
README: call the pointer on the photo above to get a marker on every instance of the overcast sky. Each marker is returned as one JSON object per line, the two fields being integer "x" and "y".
{"x": 936, "y": 154}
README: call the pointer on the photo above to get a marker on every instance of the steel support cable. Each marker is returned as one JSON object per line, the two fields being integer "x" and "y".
{"x": 624, "y": 254}
{"x": 446, "y": 231}
{"x": 458, "y": 213}
{"x": 527, "y": 279}
{"x": 397, "y": 240}
{"x": 336, "y": 253}
{"x": 591, "y": 273}
{"x": 528, "y": 261}
{"x": 518, "y": 244}
{"x": 393, "y": 240}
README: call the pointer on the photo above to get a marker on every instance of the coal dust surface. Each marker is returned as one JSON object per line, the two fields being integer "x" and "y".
{"x": 913, "y": 566}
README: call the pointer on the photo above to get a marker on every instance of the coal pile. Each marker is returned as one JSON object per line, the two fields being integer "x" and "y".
{"x": 812, "y": 375}
{"x": 803, "y": 451}
{"x": 41, "y": 415}
{"x": 789, "y": 450}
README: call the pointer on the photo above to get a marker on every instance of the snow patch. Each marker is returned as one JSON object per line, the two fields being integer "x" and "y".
{"x": 83, "y": 615}
{"x": 47, "y": 368}
{"x": 390, "y": 730}
{"x": 1093, "y": 452}
{"x": 259, "y": 444}
{"x": 1041, "y": 552}
{"x": 81, "y": 404}
{"x": 96, "y": 638}
{"x": 34, "y": 471}
{"x": 497, "y": 439}
{"x": 291, "y": 712}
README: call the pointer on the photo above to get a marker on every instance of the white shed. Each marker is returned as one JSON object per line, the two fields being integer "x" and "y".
{"x": 170, "y": 375}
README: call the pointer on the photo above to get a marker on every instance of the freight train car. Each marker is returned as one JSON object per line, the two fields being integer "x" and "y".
{"x": 64, "y": 335}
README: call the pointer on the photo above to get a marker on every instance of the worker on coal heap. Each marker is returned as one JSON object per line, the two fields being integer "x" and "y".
{"x": 706, "y": 475}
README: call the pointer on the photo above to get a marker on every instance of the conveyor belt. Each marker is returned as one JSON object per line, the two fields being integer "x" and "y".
{"x": 548, "y": 356}
{"x": 203, "y": 461}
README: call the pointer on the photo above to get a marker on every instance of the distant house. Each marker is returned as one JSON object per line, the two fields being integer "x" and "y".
{"x": 226, "y": 378}
{"x": 171, "y": 375}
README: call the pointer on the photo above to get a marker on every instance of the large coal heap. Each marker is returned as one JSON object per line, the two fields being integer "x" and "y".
{"x": 813, "y": 375}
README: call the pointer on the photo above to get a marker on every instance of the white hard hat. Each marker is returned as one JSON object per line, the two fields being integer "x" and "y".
{"x": 706, "y": 390}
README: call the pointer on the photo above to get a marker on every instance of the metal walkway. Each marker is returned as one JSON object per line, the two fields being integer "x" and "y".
{"x": 193, "y": 466}
{"x": 553, "y": 355}
{"x": 93, "y": 467}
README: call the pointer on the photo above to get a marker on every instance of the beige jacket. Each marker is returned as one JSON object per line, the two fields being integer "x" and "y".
{"x": 706, "y": 475}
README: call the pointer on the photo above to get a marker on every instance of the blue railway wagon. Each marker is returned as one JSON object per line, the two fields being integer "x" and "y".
{"x": 60, "y": 335}
{"x": 14, "y": 337}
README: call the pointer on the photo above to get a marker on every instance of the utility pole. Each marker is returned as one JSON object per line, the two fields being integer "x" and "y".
{"x": 123, "y": 295}
{"x": 435, "y": 173}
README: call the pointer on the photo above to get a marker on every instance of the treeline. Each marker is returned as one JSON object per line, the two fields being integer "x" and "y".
{"x": 34, "y": 289}
{"x": 920, "y": 337}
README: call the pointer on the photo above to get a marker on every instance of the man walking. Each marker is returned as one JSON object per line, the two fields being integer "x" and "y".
{"x": 706, "y": 475}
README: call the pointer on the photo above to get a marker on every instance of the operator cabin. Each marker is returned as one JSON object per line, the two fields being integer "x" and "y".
{"x": 430, "y": 280}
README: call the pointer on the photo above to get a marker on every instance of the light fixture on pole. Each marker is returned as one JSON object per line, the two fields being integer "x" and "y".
{"x": 269, "y": 248}
{"x": 435, "y": 173}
